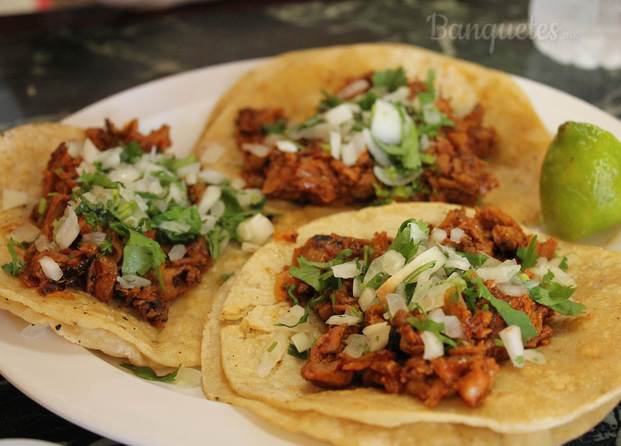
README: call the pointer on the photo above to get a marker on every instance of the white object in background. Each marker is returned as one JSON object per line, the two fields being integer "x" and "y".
{"x": 578, "y": 32}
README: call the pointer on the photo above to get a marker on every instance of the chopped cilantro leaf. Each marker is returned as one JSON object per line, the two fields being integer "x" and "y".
{"x": 389, "y": 79}
{"x": 476, "y": 259}
{"x": 186, "y": 217}
{"x": 376, "y": 281}
{"x": 105, "y": 247}
{"x": 131, "y": 152}
{"x": 293, "y": 351}
{"x": 97, "y": 178}
{"x": 141, "y": 254}
{"x": 434, "y": 327}
{"x": 403, "y": 242}
{"x": 366, "y": 103}
{"x": 564, "y": 265}
{"x": 510, "y": 315}
{"x": 329, "y": 101}
{"x": 226, "y": 276}
{"x": 307, "y": 273}
{"x": 528, "y": 256}
{"x": 555, "y": 296}
{"x": 149, "y": 373}
{"x": 16, "y": 265}
{"x": 172, "y": 163}
{"x": 277, "y": 127}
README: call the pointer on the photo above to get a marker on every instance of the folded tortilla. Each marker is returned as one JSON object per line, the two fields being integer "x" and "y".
{"x": 294, "y": 82}
{"x": 346, "y": 432}
{"x": 78, "y": 316}
{"x": 583, "y": 362}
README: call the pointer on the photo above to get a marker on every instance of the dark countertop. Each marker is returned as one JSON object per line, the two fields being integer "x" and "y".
{"x": 54, "y": 64}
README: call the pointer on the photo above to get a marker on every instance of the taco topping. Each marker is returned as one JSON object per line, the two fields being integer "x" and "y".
{"x": 125, "y": 222}
{"x": 430, "y": 313}
{"x": 381, "y": 137}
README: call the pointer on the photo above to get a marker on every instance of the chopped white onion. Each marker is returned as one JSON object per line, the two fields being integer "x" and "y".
{"x": 532, "y": 355}
{"x": 110, "y": 158}
{"x": 354, "y": 89}
{"x": 378, "y": 154}
{"x": 357, "y": 345}
{"x": 386, "y": 122}
{"x": 399, "y": 95}
{"x": 211, "y": 195}
{"x": 12, "y": 198}
{"x": 286, "y": 146}
{"x": 392, "y": 261}
{"x": 391, "y": 178}
{"x": 238, "y": 183}
{"x": 125, "y": 174}
{"x": 177, "y": 227}
{"x": 74, "y": 148}
{"x": 292, "y": 316}
{"x": 34, "y": 331}
{"x": 26, "y": 233}
{"x": 433, "y": 254}
{"x": 212, "y": 152}
{"x": 417, "y": 235}
{"x": 257, "y": 229}
{"x": 188, "y": 377}
{"x": 453, "y": 328}
{"x": 190, "y": 169}
{"x": 302, "y": 341}
{"x": 218, "y": 209}
{"x": 96, "y": 238}
{"x": 433, "y": 346}
{"x": 356, "y": 287}
{"x": 50, "y": 268}
{"x": 456, "y": 234}
{"x": 335, "y": 144}
{"x": 42, "y": 243}
{"x": 377, "y": 335}
{"x": 396, "y": 302}
{"x": 343, "y": 319}
{"x": 177, "y": 252}
{"x": 351, "y": 151}
{"x": 212, "y": 176}
{"x": 512, "y": 340}
{"x": 132, "y": 281}
{"x": 346, "y": 270}
{"x": 501, "y": 273}
{"x": 367, "y": 297}
{"x": 438, "y": 235}
{"x": 513, "y": 290}
{"x": 272, "y": 355}
{"x": 259, "y": 150}
{"x": 249, "y": 197}
{"x": 431, "y": 296}
{"x": 209, "y": 221}
{"x": 90, "y": 153}
{"x": 67, "y": 229}
{"x": 249, "y": 247}
{"x": 437, "y": 315}
{"x": 339, "y": 115}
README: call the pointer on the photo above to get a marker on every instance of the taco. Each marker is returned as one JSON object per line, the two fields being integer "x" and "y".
{"x": 341, "y": 431}
{"x": 353, "y": 125}
{"x": 124, "y": 245}
{"x": 428, "y": 313}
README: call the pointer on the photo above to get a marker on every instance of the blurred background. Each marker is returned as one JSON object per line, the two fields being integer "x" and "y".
{"x": 58, "y": 56}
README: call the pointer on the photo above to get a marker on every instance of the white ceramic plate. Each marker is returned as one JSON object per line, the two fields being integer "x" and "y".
{"x": 89, "y": 391}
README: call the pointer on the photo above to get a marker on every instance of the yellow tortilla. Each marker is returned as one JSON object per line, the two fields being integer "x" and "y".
{"x": 346, "y": 432}
{"x": 583, "y": 370}
{"x": 294, "y": 82}
{"x": 78, "y": 316}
